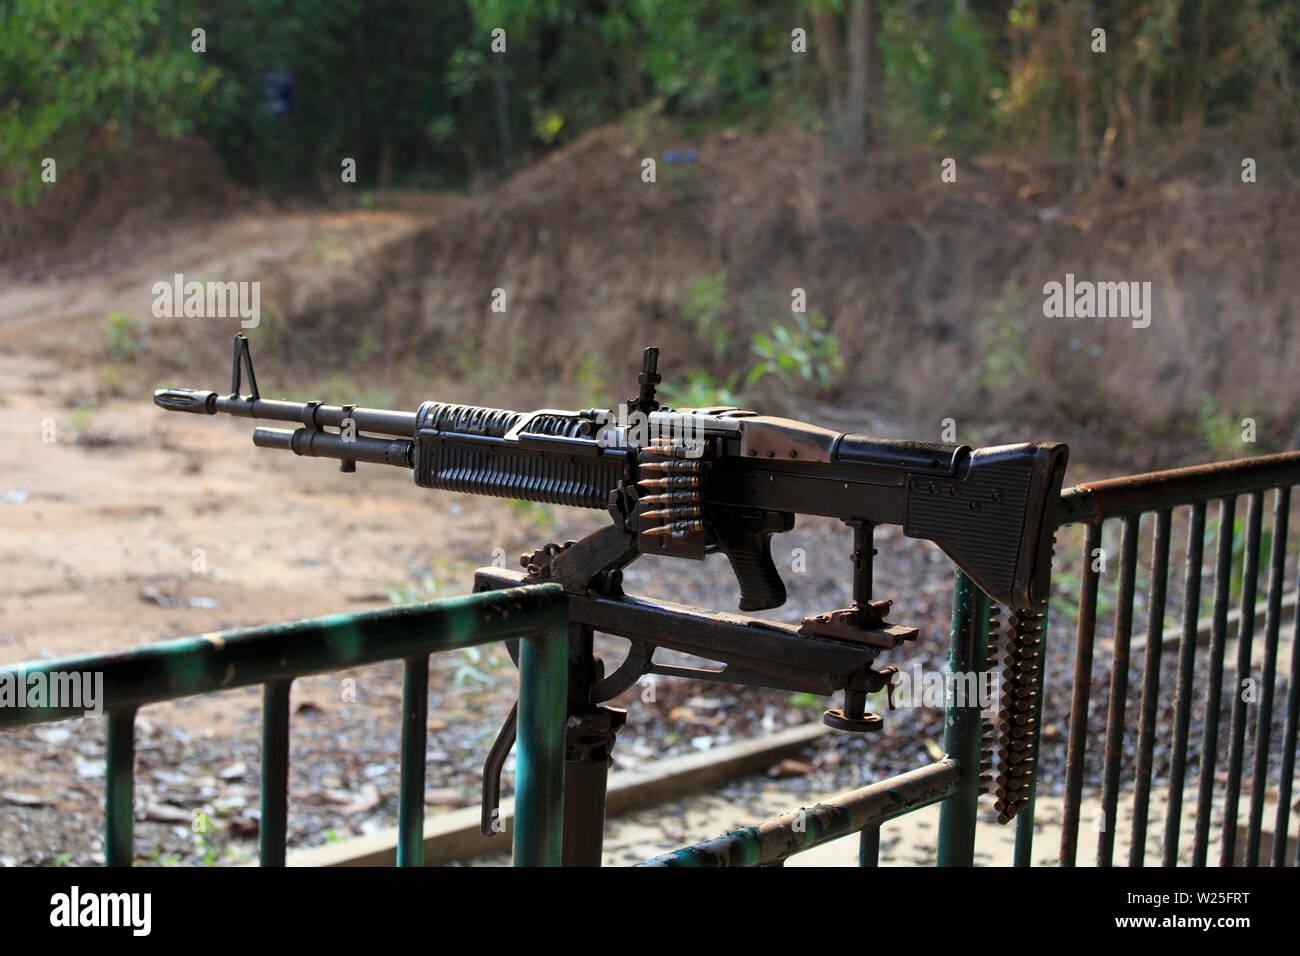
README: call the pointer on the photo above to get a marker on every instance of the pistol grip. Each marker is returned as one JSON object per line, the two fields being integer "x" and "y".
{"x": 745, "y": 536}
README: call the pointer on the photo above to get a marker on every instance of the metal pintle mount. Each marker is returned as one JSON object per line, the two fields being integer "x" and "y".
{"x": 863, "y": 623}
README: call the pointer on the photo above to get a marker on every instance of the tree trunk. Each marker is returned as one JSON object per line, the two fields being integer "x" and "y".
{"x": 503, "y": 114}
{"x": 855, "y": 130}
{"x": 826, "y": 41}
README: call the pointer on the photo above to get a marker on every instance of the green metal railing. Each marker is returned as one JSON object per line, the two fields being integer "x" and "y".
{"x": 274, "y": 656}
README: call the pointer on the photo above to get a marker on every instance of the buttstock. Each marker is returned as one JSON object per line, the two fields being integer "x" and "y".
{"x": 996, "y": 519}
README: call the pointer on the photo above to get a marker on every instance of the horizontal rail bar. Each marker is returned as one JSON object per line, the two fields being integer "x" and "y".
{"x": 216, "y": 662}
{"x": 781, "y": 837}
{"x": 1157, "y": 490}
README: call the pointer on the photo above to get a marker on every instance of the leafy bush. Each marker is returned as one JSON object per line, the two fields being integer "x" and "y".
{"x": 706, "y": 298}
{"x": 698, "y": 389}
{"x": 122, "y": 341}
{"x": 70, "y": 70}
{"x": 802, "y": 355}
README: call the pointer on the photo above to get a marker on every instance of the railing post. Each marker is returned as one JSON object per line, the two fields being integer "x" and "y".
{"x": 963, "y": 725}
{"x": 869, "y": 845}
{"x": 539, "y": 776}
{"x": 119, "y": 786}
{"x": 274, "y": 829}
{"x": 415, "y": 735}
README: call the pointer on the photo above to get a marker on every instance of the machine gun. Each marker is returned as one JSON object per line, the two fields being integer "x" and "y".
{"x": 686, "y": 483}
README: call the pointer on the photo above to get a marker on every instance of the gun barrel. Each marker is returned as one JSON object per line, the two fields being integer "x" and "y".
{"x": 381, "y": 420}
{"x": 312, "y": 443}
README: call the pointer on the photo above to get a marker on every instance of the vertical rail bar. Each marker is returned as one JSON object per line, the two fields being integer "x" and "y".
{"x": 539, "y": 775}
{"x": 1117, "y": 697}
{"x": 1150, "y": 686}
{"x": 1264, "y": 711}
{"x": 119, "y": 785}
{"x": 1186, "y": 673}
{"x": 274, "y": 828}
{"x": 415, "y": 731}
{"x": 1245, "y": 636}
{"x": 1288, "y": 750}
{"x": 1078, "y": 742}
{"x": 863, "y": 559}
{"x": 963, "y": 726}
{"x": 1214, "y": 692}
{"x": 869, "y": 846}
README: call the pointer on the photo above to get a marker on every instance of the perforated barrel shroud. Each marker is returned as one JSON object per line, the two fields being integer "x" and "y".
{"x": 463, "y": 448}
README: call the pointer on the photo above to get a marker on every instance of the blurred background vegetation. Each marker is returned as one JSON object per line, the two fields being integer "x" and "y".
{"x": 412, "y": 90}
{"x": 777, "y": 170}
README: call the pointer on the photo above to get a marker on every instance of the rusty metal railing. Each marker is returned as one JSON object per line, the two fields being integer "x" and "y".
{"x": 955, "y": 780}
{"x": 1129, "y": 500}
{"x": 274, "y": 656}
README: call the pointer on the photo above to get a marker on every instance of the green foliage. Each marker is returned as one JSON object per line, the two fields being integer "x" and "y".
{"x": 475, "y": 669}
{"x": 209, "y": 854}
{"x": 801, "y": 355}
{"x": 590, "y": 377}
{"x": 369, "y": 346}
{"x": 722, "y": 58}
{"x": 424, "y": 589}
{"x": 157, "y": 858}
{"x": 80, "y": 418}
{"x": 122, "y": 339}
{"x": 939, "y": 71}
{"x": 696, "y": 388}
{"x": 1238, "y": 577}
{"x": 355, "y": 387}
{"x": 1217, "y": 429}
{"x": 76, "y": 79}
{"x": 706, "y": 299}
{"x": 1002, "y": 331}
{"x": 535, "y": 514}
{"x": 412, "y": 91}
{"x": 369, "y": 83}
